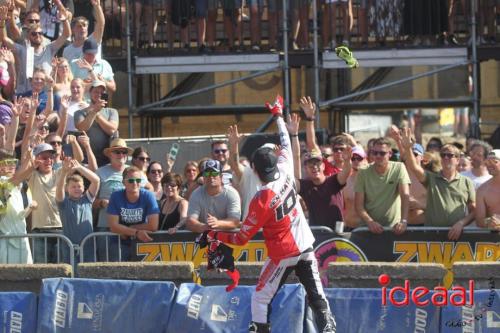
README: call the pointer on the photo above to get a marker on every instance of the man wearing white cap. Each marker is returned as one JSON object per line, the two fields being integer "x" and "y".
{"x": 488, "y": 195}
{"x": 98, "y": 121}
{"x": 42, "y": 183}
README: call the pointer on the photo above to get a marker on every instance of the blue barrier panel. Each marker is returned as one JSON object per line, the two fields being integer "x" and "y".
{"x": 212, "y": 309}
{"x": 87, "y": 305}
{"x": 361, "y": 311}
{"x": 18, "y": 312}
{"x": 481, "y": 317}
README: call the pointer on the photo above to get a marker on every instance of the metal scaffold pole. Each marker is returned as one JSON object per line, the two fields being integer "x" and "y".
{"x": 475, "y": 131}
{"x": 316, "y": 60}
{"x": 286, "y": 69}
{"x": 129, "y": 73}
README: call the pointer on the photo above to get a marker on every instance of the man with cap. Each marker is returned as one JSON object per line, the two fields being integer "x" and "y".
{"x": 213, "y": 205}
{"x": 289, "y": 240}
{"x": 98, "y": 121}
{"x": 34, "y": 51}
{"x": 322, "y": 194}
{"x": 90, "y": 68}
{"x": 42, "y": 180}
{"x": 488, "y": 195}
{"x": 358, "y": 161}
{"x": 80, "y": 32}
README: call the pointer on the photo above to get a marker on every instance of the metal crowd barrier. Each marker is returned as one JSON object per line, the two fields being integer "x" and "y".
{"x": 107, "y": 245}
{"x": 475, "y": 230}
{"x": 92, "y": 239}
{"x": 61, "y": 239}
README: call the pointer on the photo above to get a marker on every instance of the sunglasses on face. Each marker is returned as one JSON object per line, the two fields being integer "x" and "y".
{"x": 36, "y": 33}
{"x": 134, "y": 180}
{"x": 144, "y": 159}
{"x": 45, "y": 127}
{"x": 447, "y": 155}
{"x": 356, "y": 159}
{"x": 120, "y": 152}
{"x": 338, "y": 149}
{"x": 158, "y": 171}
{"x": 220, "y": 151}
{"x": 54, "y": 143}
{"x": 33, "y": 21}
{"x": 211, "y": 174}
{"x": 379, "y": 153}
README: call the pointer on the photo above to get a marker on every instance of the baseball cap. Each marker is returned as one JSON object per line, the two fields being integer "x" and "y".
{"x": 495, "y": 153}
{"x": 265, "y": 162}
{"x": 42, "y": 147}
{"x": 358, "y": 150}
{"x": 313, "y": 155}
{"x": 90, "y": 46}
{"x": 212, "y": 165}
{"x": 98, "y": 83}
{"x": 417, "y": 148}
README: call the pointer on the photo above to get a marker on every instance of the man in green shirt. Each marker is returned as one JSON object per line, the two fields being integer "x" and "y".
{"x": 451, "y": 197}
{"x": 382, "y": 192}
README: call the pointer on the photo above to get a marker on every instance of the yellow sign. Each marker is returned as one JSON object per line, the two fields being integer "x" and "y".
{"x": 446, "y": 253}
{"x": 190, "y": 251}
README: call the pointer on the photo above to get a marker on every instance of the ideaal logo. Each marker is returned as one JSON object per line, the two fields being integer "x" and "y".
{"x": 457, "y": 296}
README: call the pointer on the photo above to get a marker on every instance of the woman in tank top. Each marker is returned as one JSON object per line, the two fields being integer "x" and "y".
{"x": 173, "y": 209}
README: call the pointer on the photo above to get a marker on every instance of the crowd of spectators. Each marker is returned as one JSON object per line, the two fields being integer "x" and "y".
{"x": 256, "y": 25}
{"x": 66, "y": 170}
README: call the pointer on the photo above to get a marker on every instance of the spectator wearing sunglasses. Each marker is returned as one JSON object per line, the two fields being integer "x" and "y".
{"x": 111, "y": 179}
{"x": 141, "y": 159}
{"x": 339, "y": 143}
{"x": 155, "y": 174}
{"x": 213, "y": 206}
{"x": 382, "y": 191}
{"x": 42, "y": 53}
{"x": 173, "y": 208}
{"x": 220, "y": 153}
{"x": 451, "y": 196}
{"x": 132, "y": 212}
{"x": 18, "y": 31}
{"x": 358, "y": 161}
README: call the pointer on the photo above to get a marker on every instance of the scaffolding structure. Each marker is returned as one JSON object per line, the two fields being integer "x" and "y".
{"x": 260, "y": 64}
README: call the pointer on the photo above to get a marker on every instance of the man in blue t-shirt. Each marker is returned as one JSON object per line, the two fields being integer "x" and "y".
{"x": 132, "y": 212}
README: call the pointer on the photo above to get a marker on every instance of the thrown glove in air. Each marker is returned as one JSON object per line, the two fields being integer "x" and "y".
{"x": 345, "y": 54}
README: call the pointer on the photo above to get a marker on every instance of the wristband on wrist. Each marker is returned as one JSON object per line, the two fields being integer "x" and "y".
{"x": 294, "y": 135}
{"x": 309, "y": 118}
{"x": 404, "y": 221}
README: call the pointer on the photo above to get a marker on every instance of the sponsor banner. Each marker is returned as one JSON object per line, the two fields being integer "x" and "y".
{"x": 413, "y": 246}
{"x": 18, "y": 311}
{"x": 212, "y": 309}
{"x": 88, "y": 305}
{"x": 365, "y": 305}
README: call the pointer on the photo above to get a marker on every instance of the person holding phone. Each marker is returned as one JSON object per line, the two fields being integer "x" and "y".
{"x": 98, "y": 121}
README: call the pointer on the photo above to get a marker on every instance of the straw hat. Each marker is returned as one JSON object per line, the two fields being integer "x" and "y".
{"x": 117, "y": 144}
